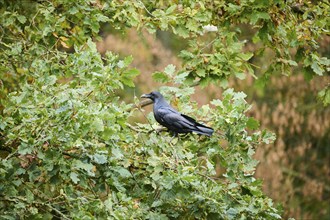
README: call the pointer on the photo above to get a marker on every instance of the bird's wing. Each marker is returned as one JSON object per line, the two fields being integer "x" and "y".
{"x": 180, "y": 123}
{"x": 188, "y": 118}
{"x": 171, "y": 117}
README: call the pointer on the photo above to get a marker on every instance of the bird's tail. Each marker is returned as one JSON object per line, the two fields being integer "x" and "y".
{"x": 199, "y": 128}
{"x": 202, "y": 129}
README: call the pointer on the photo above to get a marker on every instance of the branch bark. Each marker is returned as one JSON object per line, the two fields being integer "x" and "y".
{"x": 141, "y": 104}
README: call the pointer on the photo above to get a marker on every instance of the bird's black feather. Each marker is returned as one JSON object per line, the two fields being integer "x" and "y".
{"x": 174, "y": 120}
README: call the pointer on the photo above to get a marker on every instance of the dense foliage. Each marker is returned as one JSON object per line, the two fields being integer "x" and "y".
{"x": 67, "y": 148}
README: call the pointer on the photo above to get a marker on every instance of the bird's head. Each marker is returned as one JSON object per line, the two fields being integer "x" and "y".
{"x": 153, "y": 95}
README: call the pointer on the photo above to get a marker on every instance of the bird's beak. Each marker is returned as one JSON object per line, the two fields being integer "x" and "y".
{"x": 145, "y": 96}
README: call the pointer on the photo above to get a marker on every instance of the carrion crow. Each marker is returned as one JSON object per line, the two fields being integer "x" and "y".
{"x": 174, "y": 120}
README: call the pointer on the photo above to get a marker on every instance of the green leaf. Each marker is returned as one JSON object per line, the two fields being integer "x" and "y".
{"x": 100, "y": 158}
{"x": 308, "y": 73}
{"x": 182, "y": 31}
{"x": 201, "y": 72}
{"x": 216, "y": 102}
{"x": 231, "y": 212}
{"x": 167, "y": 182}
{"x": 121, "y": 64}
{"x": 2, "y": 123}
{"x": 292, "y": 63}
{"x": 252, "y": 124}
{"x": 259, "y": 15}
{"x": 157, "y": 203}
{"x": 246, "y": 56}
{"x": 24, "y": 149}
{"x": 240, "y": 75}
{"x": 192, "y": 25}
{"x": 324, "y": 61}
{"x": 128, "y": 82}
{"x": 324, "y": 96}
{"x": 102, "y": 18}
{"x": 169, "y": 70}
{"x": 51, "y": 80}
{"x": 73, "y": 10}
{"x": 210, "y": 167}
{"x": 268, "y": 137}
{"x": 204, "y": 82}
{"x": 232, "y": 185}
{"x": 128, "y": 60}
{"x": 224, "y": 83}
{"x": 123, "y": 172}
{"x": 84, "y": 166}
{"x": 21, "y": 19}
{"x": 74, "y": 177}
{"x": 160, "y": 77}
{"x": 17, "y": 48}
{"x": 116, "y": 152}
{"x": 171, "y": 9}
{"x": 275, "y": 215}
{"x": 131, "y": 73}
{"x": 180, "y": 78}
{"x": 29, "y": 195}
{"x": 251, "y": 71}
{"x": 186, "y": 54}
{"x": 97, "y": 124}
{"x": 91, "y": 45}
{"x": 317, "y": 69}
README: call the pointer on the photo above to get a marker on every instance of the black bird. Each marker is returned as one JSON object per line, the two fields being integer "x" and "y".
{"x": 174, "y": 120}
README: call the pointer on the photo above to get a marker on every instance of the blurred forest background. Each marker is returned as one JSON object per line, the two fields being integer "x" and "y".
{"x": 296, "y": 168}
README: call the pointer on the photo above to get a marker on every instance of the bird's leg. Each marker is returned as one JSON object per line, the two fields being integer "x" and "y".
{"x": 174, "y": 136}
{"x": 174, "y": 150}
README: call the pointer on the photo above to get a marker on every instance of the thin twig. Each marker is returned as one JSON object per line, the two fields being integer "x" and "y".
{"x": 141, "y": 104}
{"x": 35, "y": 202}
{"x": 12, "y": 154}
{"x": 211, "y": 42}
{"x": 146, "y": 9}
{"x": 57, "y": 211}
{"x": 147, "y": 119}
{"x": 132, "y": 127}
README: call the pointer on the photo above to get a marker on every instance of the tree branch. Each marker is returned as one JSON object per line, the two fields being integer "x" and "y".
{"x": 141, "y": 104}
